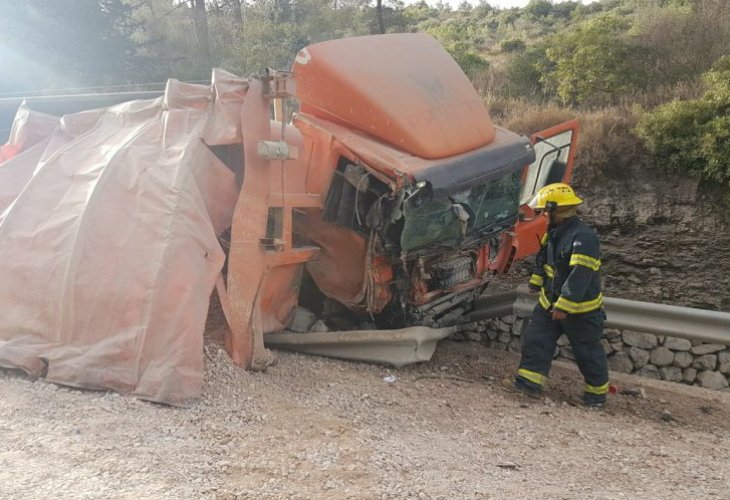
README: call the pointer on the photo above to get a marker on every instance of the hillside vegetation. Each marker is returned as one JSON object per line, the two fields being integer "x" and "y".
{"x": 646, "y": 77}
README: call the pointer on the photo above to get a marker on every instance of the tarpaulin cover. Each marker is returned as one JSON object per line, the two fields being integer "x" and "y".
{"x": 108, "y": 240}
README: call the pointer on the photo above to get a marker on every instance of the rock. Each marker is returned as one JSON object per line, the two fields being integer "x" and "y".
{"x": 712, "y": 380}
{"x": 319, "y": 326}
{"x": 504, "y": 327}
{"x": 724, "y": 361}
{"x": 676, "y": 344}
{"x": 667, "y": 416}
{"x": 505, "y": 337}
{"x": 612, "y": 333}
{"x": 707, "y": 349}
{"x": 567, "y": 352}
{"x": 706, "y": 362}
{"x": 515, "y": 345}
{"x": 617, "y": 346}
{"x": 606, "y": 346}
{"x": 457, "y": 336}
{"x": 640, "y": 357}
{"x": 492, "y": 334}
{"x": 649, "y": 371}
{"x": 556, "y": 352}
{"x": 724, "y": 367}
{"x": 303, "y": 320}
{"x": 473, "y": 336}
{"x": 509, "y": 319}
{"x": 671, "y": 373}
{"x": 641, "y": 340}
{"x": 689, "y": 375}
{"x": 563, "y": 341}
{"x": 620, "y": 362}
{"x": 683, "y": 359}
{"x": 661, "y": 356}
{"x": 517, "y": 327}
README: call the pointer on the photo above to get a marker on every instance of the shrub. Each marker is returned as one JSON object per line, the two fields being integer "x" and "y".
{"x": 470, "y": 62}
{"x": 607, "y": 146}
{"x": 524, "y": 74}
{"x": 594, "y": 60}
{"x": 512, "y": 45}
{"x": 694, "y": 136}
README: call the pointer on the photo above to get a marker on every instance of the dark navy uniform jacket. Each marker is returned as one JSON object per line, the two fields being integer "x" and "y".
{"x": 567, "y": 269}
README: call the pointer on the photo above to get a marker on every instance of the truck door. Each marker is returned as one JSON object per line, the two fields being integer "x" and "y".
{"x": 554, "y": 153}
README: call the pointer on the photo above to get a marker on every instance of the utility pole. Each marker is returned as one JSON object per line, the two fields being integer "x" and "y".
{"x": 381, "y": 24}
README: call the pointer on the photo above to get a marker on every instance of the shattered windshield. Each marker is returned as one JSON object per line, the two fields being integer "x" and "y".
{"x": 447, "y": 221}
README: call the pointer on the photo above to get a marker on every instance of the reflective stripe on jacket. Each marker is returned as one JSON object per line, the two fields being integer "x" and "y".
{"x": 567, "y": 268}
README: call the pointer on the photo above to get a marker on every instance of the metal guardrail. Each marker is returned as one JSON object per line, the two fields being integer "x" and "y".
{"x": 394, "y": 347}
{"x": 661, "y": 319}
{"x": 494, "y": 306}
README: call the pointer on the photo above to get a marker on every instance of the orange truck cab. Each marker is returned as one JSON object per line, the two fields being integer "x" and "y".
{"x": 422, "y": 197}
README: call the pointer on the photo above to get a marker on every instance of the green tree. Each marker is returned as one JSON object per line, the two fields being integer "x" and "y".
{"x": 524, "y": 73}
{"x": 694, "y": 136}
{"x": 564, "y": 10}
{"x": 51, "y": 44}
{"x": 456, "y": 36}
{"x": 169, "y": 45}
{"x": 538, "y": 8}
{"x": 595, "y": 59}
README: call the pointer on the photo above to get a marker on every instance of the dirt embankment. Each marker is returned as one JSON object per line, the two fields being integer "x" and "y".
{"x": 664, "y": 239}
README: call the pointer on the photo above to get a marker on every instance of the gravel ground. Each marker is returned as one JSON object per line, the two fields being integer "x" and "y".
{"x": 317, "y": 428}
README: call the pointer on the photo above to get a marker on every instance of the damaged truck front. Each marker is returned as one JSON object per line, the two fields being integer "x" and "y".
{"x": 383, "y": 205}
{"x": 419, "y": 198}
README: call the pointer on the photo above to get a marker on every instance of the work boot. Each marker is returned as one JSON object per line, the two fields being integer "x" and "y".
{"x": 519, "y": 386}
{"x": 594, "y": 400}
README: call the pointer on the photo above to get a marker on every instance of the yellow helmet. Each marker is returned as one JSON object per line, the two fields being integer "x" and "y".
{"x": 558, "y": 194}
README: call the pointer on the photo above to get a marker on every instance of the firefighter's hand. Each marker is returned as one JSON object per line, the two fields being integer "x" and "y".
{"x": 559, "y": 315}
{"x": 533, "y": 288}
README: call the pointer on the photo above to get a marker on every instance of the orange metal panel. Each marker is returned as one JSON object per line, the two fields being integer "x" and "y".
{"x": 558, "y": 129}
{"x": 404, "y": 89}
{"x": 525, "y": 239}
{"x": 247, "y": 258}
{"x": 298, "y": 200}
{"x": 340, "y": 268}
{"x": 392, "y": 163}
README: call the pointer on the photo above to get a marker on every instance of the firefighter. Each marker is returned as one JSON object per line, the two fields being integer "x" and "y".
{"x": 567, "y": 278}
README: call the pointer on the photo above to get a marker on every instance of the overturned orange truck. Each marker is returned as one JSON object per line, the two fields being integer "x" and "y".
{"x": 401, "y": 201}
{"x": 380, "y": 197}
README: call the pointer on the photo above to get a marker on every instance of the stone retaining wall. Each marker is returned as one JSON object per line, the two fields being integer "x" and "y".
{"x": 647, "y": 355}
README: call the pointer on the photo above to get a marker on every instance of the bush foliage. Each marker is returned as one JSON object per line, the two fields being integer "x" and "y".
{"x": 694, "y": 135}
